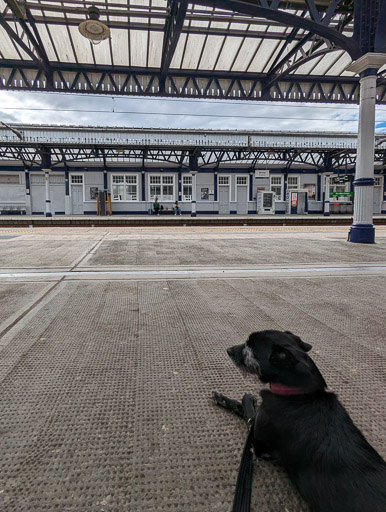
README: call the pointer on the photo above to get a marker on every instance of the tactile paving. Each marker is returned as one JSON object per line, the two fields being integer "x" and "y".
{"x": 105, "y": 389}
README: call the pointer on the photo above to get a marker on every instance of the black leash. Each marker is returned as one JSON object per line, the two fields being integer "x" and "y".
{"x": 242, "y": 499}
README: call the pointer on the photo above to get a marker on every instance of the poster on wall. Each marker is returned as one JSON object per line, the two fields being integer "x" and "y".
{"x": 294, "y": 199}
{"x": 311, "y": 189}
{"x": 204, "y": 194}
{"x": 93, "y": 193}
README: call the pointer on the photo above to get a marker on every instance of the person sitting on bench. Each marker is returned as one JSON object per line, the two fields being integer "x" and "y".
{"x": 177, "y": 208}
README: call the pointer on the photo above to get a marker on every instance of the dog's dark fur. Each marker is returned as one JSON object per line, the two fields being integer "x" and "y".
{"x": 326, "y": 456}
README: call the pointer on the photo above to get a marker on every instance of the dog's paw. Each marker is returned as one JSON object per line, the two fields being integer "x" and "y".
{"x": 218, "y": 398}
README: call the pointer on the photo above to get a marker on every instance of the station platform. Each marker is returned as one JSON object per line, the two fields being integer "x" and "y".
{"x": 183, "y": 220}
{"x": 113, "y": 338}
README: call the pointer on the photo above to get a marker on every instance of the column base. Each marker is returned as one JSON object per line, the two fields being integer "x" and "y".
{"x": 48, "y": 214}
{"x": 362, "y": 234}
{"x": 326, "y": 214}
{"x": 193, "y": 214}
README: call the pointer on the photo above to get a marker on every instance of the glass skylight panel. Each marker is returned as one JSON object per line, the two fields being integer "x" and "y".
{"x": 176, "y": 61}
{"x": 120, "y": 47}
{"x": 228, "y": 53}
{"x": 265, "y": 54}
{"x": 199, "y": 23}
{"x": 155, "y": 49}
{"x": 211, "y": 51}
{"x": 341, "y": 64}
{"x": 138, "y": 43}
{"x": 307, "y": 68}
{"x": 193, "y": 51}
{"x": 219, "y": 24}
{"x": 102, "y": 53}
{"x": 245, "y": 54}
{"x": 43, "y": 32}
{"x": 7, "y": 48}
{"x": 240, "y": 27}
{"x": 324, "y": 65}
{"x": 82, "y": 46}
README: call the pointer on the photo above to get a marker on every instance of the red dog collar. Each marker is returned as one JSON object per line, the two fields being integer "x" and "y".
{"x": 281, "y": 389}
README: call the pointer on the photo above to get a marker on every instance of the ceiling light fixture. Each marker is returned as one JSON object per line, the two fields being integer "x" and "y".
{"x": 93, "y": 29}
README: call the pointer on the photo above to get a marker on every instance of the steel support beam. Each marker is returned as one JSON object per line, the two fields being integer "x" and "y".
{"x": 15, "y": 37}
{"x": 370, "y": 25}
{"x": 107, "y": 80}
{"x": 172, "y": 31}
{"x": 252, "y": 8}
{"x": 51, "y": 156}
{"x": 33, "y": 38}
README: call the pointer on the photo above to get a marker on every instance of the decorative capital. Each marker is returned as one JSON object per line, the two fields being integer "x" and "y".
{"x": 369, "y": 60}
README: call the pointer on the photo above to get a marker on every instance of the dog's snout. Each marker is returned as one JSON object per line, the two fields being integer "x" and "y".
{"x": 230, "y": 351}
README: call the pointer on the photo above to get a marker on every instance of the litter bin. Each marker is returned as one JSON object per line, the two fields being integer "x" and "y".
{"x": 335, "y": 207}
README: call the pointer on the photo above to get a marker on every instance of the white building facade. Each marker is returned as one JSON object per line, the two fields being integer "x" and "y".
{"x": 228, "y": 174}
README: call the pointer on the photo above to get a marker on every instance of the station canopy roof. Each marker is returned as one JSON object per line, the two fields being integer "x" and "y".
{"x": 183, "y": 49}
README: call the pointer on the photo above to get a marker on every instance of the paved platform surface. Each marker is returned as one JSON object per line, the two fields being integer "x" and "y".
{"x": 183, "y": 220}
{"x": 112, "y": 341}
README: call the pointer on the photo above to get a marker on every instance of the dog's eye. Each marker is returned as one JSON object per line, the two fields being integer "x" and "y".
{"x": 282, "y": 356}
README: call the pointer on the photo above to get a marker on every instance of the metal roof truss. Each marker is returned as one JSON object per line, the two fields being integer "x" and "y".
{"x": 292, "y": 50}
{"x": 37, "y": 156}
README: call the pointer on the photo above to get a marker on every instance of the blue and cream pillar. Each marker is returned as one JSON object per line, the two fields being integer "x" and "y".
{"x": 28, "y": 209}
{"x": 326, "y": 211}
{"x": 194, "y": 193}
{"x": 362, "y": 229}
{"x": 67, "y": 206}
{"x": 47, "y": 183}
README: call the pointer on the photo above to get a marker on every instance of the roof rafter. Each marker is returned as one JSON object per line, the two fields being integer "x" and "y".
{"x": 15, "y": 37}
{"x": 172, "y": 31}
{"x": 278, "y": 67}
{"x": 287, "y": 19}
{"x": 33, "y": 37}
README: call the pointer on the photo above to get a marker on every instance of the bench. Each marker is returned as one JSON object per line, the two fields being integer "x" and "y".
{"x": 12, "y": 210}
{"x": 164, "y": 210}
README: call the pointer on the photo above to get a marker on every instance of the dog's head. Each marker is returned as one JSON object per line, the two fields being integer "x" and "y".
{"x": 278, "y": 357}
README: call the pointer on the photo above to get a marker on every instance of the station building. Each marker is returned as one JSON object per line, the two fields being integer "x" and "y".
{"x": 208, "y": 172}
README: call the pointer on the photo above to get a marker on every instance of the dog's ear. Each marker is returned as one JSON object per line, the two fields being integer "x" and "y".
{"x": 282, "y": 357}
{"x": 304, "y": 346}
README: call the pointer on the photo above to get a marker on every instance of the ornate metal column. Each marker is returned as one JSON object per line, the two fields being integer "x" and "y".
{"x": 362, "y": 229}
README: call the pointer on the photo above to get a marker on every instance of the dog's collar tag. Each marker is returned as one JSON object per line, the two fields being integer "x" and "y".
{"x": 281, "y": 389}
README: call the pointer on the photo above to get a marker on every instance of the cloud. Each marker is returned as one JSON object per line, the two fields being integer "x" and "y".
{"x": 93, "y": 110}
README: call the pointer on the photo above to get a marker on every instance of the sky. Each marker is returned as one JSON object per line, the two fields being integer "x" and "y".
{"x": 137, "y": 112}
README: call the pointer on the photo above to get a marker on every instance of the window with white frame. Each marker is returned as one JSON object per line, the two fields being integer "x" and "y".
{"x": 277, "y": 187}
{"x": 76, "y": 179}
{"x": 186, "y": 188}
{"x": 241, "y": 180}
{"x": 378, "y": 181}
{"x": 293, "y": 182}
{"x": 161, "y": 187}
{"x": 223, "y": 180}
{"x": 124, "y": 187}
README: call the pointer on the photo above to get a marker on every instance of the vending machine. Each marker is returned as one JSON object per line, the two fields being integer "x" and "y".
{"x": 265, "y": 202}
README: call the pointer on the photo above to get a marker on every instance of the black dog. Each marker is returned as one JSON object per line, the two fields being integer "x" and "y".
{"x": 327, "y": 458}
